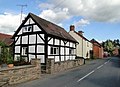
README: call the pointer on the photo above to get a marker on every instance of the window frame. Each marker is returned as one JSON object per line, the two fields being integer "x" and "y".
{"x": 54, "y": 50}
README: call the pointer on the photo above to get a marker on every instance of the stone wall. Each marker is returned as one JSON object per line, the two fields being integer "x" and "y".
{"x": 21, "y": 73}
{"x": 53, "y": 67}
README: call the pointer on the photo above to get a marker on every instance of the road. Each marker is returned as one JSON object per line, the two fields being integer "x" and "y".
{"x": 95, "y": 73}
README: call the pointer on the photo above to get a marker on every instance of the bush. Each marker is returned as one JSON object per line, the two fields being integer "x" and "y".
{"x": 10, "y": 60}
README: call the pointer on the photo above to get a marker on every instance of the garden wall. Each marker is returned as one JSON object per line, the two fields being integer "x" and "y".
{"x": 53, "y": 67}
{"x": 21, "y": 73}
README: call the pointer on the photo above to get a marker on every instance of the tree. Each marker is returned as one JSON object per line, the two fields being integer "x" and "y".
{"x": 4, "y": 55}
{"x": 108, "y": 46}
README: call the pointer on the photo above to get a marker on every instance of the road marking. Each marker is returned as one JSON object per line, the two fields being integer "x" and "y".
{"x": 105, "y": 62}
{"x": 86, "y": 76}
{"x": 93, "y": 71}
{"x": 100, "y": 66}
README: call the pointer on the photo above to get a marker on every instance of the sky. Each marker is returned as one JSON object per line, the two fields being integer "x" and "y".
{"x": 98, "y": 19}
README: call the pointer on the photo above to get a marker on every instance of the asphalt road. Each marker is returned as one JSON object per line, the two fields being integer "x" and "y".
{"x": 95, "y": 73}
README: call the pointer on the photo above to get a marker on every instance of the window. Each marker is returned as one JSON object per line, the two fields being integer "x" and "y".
{"x": 71, "y": 51}
{"x": 54, "y": 50}
{"x": 25, "y": 50}
{"x": 27, "y": 29}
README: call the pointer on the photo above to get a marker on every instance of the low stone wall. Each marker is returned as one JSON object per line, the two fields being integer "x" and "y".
{"x": 21, "y": 73}
{"x": 53, "y": 67}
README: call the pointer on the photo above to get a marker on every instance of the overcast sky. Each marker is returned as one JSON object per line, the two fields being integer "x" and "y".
{"x": 99, "y": 19}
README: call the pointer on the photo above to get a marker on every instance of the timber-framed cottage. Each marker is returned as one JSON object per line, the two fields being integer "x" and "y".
{"x": 39, "y": 38}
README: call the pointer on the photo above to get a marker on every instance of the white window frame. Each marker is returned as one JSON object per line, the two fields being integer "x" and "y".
{"x": 27, "y": 28}
{"x": 71, "y": 51}
{"x": 25, "y": 50}
{"x": 54, "y": 50}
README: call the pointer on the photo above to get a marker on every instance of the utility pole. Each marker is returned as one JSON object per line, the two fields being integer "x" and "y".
{"x": 22, "y": 6}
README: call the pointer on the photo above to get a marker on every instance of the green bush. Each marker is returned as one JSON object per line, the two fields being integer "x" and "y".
{"x": 10, "y": 60}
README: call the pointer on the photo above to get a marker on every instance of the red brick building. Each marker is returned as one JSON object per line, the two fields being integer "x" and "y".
{"x": 97, "y": 49}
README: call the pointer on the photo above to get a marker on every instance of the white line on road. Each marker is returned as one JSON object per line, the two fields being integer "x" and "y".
{"x": 92, "y": 71}
{"x": 99, "y": 66}
{"x": 105, "y": 62}
{"x": 86, "y": 76}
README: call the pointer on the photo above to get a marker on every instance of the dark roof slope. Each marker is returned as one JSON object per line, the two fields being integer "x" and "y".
{"x": 94, "y": 41}
{"x": 6, "y": 39}
{"x": 51, "y": 28}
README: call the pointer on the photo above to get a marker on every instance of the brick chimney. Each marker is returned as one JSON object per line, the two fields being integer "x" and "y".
{"x": 72, "y": 28}
{"x": 80, "y": 32}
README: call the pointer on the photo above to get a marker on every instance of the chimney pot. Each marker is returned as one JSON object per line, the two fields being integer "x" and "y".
{"x": 72, "y": 28}
{"x": 80, "y": 32}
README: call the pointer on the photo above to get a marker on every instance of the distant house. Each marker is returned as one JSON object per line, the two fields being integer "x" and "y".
{"x": 84, "y": 47}
{"x": 39, "y": 38}
{"x": 116, "y": 51}
{"x": 97, "y": 49}
{"x": 6, "y": 39}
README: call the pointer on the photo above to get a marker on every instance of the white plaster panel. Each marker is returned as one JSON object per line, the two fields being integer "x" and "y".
{"x": 17, "y": 49}
{"x": 29, "y": 21}
{"x": 57, "y": 59}
{"x": 24, "y": 39}
{"x": 32, "y": 49}
{"x": 16, "y": 57}
{"x": 32, "y": 39}
{"x": 36, "y": 28}
{"x": 42, "y": 57}
{"x": 39, "y": 40}
{"x": 49, "y": 50}
{"x": 67, "y": 57}
{"x": 56, "y": 42}
{"x": 67, "y": 51}
{"x": 42, "y": 35}
{"x": 62, "y": 43}
{"x": 51, "y": 41}
{"x": 71, "y": 44}
{"x": 20, "y": 32}
{"x": 51, "y": 57}
{"x": 40, "y": 49}
{"x": 62, "y": 50}
{"x": 31, "y": 57}
{"x": 67, "y": 44}
{"x": 62, "y": 58}
{"x": 18, "y": 41}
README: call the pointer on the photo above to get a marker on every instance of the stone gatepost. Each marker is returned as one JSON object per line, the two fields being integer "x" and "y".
{"x": 37, "y": 64}
{"x": 50, "y": 66}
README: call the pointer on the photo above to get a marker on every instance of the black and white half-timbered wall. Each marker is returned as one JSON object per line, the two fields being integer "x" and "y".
{"x": 39, "y": 38}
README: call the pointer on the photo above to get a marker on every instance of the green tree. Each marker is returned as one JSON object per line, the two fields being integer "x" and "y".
{"x": 4, "y": 55}
{"x": 108, "y": 46}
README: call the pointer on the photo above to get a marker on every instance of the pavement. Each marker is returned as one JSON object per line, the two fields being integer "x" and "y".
{"x": 95, "y": 73}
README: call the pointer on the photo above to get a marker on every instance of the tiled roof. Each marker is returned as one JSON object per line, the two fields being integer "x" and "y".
{"x": 96, "y": 42}
{"x": 6, "y": 39}
{"x": 50, "y": 28}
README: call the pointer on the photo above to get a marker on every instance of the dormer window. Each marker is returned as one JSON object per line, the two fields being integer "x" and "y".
{"x": 27, "y": 29}
{"x": 30, "y": 28}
